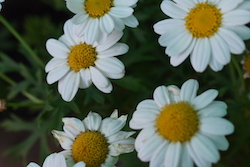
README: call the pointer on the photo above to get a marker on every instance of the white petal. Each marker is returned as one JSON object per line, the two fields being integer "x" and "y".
{"x": 196, "y": 156}
{"x": 110, "y": 41}
{"x": 100, "y": 81}
{"x": 144, "y": 116}
{"x": 235, "y": 43}
{"x": 80, "y": 164}
{"x": 79, "y": 18}
{"x": 171, "y": 9}
{"x": 216, "y": 126}
{"x": 214, "y": 64}
{"x": 158, "y": 156}
{"x": 93, "y": 120}
{"x": 173, "y": 154}
{"x": 70, "y": 85}
{"x": 148, "y": 104}
{"x": 220, "y": 49}
{"x": 75, "y": 6}
{"x": 55, "y": 159}
{"x": 143, "y": 137}
{"x": 124, "y": 146}
{"x": 146, "y": 152}
{"x": 236, "y": 17}
{"x": 54, "y": 63}
{"x": 130, "y": 21}
{"x": 118, "y": 23}
{"x": 85, "y": 79}
{"x": 185, "y": 160}
{"x": 31, "y": 164}
{"x": 242, "y": 31}
{"x": 57, "y": 49}
{"x": 121, "y": 135}
{"x": 121, "y": 12}
{"x": 205, "y": 147}
{"x": 140, "y": 125}
{"x": 169, "y": 35}
{"x": 166, "y": 25}
{"x": 161, "y": 96}
{"x": 228, "y": 5}
{"x": 110, "y": 65}
{"x": 92, "y": 32}
{"x": 115, "y": 50}
{"x": 204, "y": 99}
{"x": 124, "y": 3}
{"x": 57, "y": 73}
{"x": 111, "y": 126}
{"x": 179, "y": 58}
{"x": 74, "y": 123}
{"x": 214, "y": 109}
{"x": 189, "y": 90}
{"x": 201, "y": 54}
{"x": 106, "y": 24}
{"x": 220, "y": 142}
{"x": 63, "y": 139}
{"x": 179, "y": 43}
{"x": 70, "y": 37}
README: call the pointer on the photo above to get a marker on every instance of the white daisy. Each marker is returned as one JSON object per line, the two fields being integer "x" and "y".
{"x": 179, "y": 128}
{"x": 1, "y": 4}
{"x": 94, "y": 141}
{"x": 76, "y": 64}
{"x": 55, "y": 160}
{"x": 207, "y": 30}
{"x": 99, "y": 17}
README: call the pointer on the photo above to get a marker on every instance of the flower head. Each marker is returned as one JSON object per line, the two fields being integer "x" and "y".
{"x": 179, "y": 127}
{"x": 76, "y": 63}
{"x": 207, "y": 30}
{"x": 94, "y": 141}
{"x": 98, "y": 18}
{"x": 55, "y": 160}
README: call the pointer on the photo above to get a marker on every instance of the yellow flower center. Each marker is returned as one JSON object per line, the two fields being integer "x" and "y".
{"x": 246, "y": 64}
{"x": 204, "y": 20}
{"x": 81, "y": 56}
{"x": 90, "y": 147}
{"x": 97, "y": 8}
{"x": 177, "y": 122}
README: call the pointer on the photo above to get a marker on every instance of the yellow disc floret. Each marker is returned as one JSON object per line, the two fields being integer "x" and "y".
{"x": 204, "y": 20}
{"x": 177, "y": 122}
{"x": 81, "y": 56}
{"x": 90, "y": 147}
{"x": 97, "y": 8}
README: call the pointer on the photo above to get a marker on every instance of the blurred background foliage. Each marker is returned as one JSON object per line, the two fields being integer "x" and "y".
{"x": 34, "y": 108}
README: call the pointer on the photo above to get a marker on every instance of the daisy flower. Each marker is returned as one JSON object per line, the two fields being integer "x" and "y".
{"x": 180, "y": 128}
{"x": 76, "y": 64}
{"x": 94, "y": 141}
{"x": 99, "y": 17}
{"x": 207, "y": 30}
{"x": 55, "y": 160}
{"x": 1, "y": 4}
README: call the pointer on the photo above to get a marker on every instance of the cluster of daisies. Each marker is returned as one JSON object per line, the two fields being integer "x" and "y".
{"x": 178, "y": 127}
{"x": 85, "y": 53}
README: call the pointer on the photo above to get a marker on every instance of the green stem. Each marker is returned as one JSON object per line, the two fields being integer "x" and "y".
{"x": 22, "y": 41}
{"x": 240, "y": 73}
{"x": 25, "y": 93}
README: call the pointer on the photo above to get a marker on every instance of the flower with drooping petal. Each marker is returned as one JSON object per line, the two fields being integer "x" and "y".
{"x": 97, "y": 18}
{"x": 207, "y": 30}
{"x": 55, "y": 160}
{"x": 96, "y": 142}
{"x": 180, "y": 128}
{"x": 76, "y": 64}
